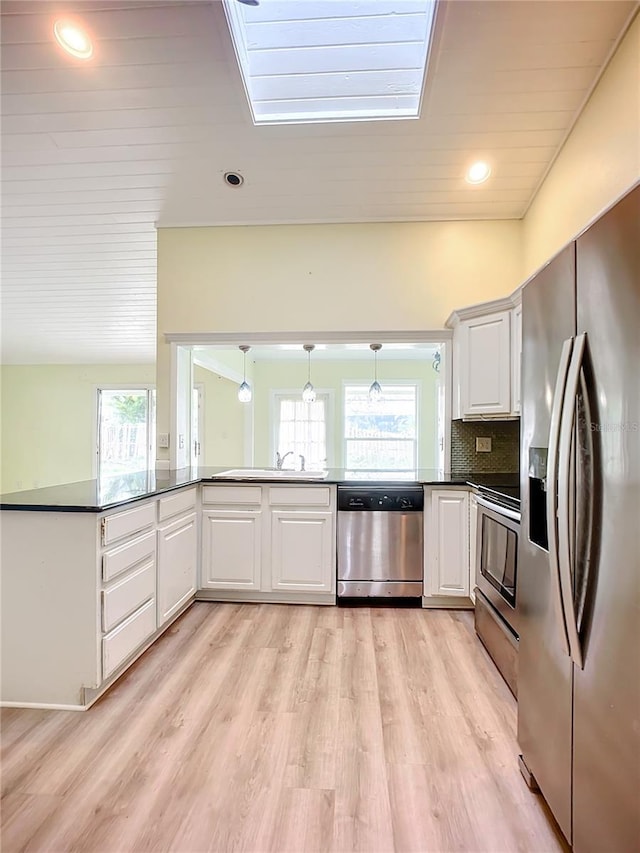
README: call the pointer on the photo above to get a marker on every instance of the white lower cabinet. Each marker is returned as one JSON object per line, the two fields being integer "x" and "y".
{"x": 84, "y": 593}
{"x": 125, "y": 639}
{"x": 269, "y": 541}
{"x": 231, "y": 549}
{"x": 473, "y": 544}
{"x": 302, "y": 551}
{"x": 447, "y": 543}
{"x": 125, "y": 595}
{"x": 177, "y": 565}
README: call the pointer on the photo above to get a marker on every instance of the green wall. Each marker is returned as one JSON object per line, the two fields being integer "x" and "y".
{"x": 330, "y": 375}
{"x": 222, "y": 439}
{"x": 48, "y": 420}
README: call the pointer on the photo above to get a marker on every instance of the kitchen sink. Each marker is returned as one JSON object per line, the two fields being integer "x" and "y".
{"x": 269, "y": 474}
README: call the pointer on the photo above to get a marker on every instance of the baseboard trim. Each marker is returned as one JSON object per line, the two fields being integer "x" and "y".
{"x": 447, "y": 602}
{"x": 43, "y": 706}
{"x": 238, "y": 597}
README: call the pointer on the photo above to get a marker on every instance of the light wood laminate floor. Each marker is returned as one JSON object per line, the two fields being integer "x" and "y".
{"x": 282, "y": 728}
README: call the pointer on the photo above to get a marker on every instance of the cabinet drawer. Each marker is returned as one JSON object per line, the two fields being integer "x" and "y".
{"x": 125, "y": 557}
{"x": 175, "y": 504}
{"x": 126, "y": 595}
{"x": 300, "y": 496}
{"x": 125, "y": 639}
{"x": 231, "y": 495}
{"x": 126, "y": 523}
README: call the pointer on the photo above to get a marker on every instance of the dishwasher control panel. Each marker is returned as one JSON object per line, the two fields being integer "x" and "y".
{"x": 391, "y": 499}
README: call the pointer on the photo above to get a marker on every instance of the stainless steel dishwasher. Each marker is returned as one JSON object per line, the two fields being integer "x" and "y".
{"x": 380, "y": 541}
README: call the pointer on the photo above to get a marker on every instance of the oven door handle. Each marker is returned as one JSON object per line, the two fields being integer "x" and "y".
{"x": 565, "y": 557}
{"x": 498, "y": 510}
{"x": 552, "y": 490}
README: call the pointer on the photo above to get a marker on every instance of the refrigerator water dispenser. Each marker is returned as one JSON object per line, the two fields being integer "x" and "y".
{"x": 538, "y": 532}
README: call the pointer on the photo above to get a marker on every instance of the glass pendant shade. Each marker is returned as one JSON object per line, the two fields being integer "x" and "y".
{"x": 244, "y": 389}
{"x": 375, "y": 391}
{"x": 309, "y": 392}
{"x": 244, "y": 392}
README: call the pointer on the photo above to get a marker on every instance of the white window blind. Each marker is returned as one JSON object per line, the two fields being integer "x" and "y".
{"x": 382, "y": 435}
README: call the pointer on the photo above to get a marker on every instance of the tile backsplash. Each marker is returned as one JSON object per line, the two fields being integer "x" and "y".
{"x": 505, "y": 446}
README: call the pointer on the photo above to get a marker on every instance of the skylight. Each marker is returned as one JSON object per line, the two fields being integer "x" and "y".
{"x": 332, "y": 60}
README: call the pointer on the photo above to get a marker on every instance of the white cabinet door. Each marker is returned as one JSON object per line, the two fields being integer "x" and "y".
{"x": 485, "y": 365}
{"x": 177, "y": 565}
{"x": 302, "y": 551}
{"x": 473, "y": 544}
{"x": 231, "y": 546}
{"x": 448, "y": 548}
{"x": 516, "y": 358}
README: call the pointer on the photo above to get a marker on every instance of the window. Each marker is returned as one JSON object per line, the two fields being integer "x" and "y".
{"x": 332, "y": 61}
{"x": 301, "y": 429}
{"x": 381, "y": 435}
{"x": 126, "y": 430}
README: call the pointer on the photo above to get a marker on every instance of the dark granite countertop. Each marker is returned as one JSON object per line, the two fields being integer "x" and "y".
{"x": 113, "y": 492}
{"x": 99, "y": 495}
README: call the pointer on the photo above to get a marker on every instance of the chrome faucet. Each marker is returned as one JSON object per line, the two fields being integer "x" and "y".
{"x": 280, "y": 459}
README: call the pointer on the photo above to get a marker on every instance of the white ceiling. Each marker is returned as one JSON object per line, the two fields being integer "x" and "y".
{"x": 95, "y": 155}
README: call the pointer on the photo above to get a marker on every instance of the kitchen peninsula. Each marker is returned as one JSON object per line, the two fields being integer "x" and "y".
{"x": 94, "y": 572}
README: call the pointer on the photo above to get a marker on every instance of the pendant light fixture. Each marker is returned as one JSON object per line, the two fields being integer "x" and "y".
{"x": 375, "y": 391}
{"x": 309, "y": 392}
{"x": 244, "y": 390}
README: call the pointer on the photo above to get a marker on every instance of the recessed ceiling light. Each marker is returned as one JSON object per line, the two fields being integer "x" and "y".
{"x": 73, "y": 39}
{"x": 478, "y": 173}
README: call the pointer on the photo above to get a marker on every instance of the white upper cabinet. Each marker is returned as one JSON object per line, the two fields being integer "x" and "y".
{"x": 486, "y": 360}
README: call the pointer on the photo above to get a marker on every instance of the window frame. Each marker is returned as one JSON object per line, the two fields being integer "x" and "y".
{"x": 296, "y": 393}
{"x": 152, "y": 424}
{"x": 414, "y": 383}
{"x": 197, "y": 436}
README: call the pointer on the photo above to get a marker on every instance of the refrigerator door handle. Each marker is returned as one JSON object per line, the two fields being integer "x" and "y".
{"x": 564, "y": 498}
{"x": 552, "y": 489}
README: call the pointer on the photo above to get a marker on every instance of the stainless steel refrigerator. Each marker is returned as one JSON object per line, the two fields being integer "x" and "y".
{"x": 578, "y": 583}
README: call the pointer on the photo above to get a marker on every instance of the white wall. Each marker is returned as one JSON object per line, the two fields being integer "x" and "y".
{"x": 372, "y": 276}
{"x": 387, "y": 276}
{"x": 222, "y": 439}
{"x": 599, "y": 162}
